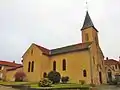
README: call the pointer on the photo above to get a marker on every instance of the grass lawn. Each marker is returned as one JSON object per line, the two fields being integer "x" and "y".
{"x": 54, "y": 86}
{"x": 69, "y": 85}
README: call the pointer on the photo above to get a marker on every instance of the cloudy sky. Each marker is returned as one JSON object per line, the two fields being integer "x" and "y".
{"x": 56, "y": 23}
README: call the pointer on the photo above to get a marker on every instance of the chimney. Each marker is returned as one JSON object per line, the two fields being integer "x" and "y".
{"x": 13, "y": 61}
{"x": 106, "y": 58}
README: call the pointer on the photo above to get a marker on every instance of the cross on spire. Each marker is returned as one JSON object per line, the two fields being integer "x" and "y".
{"x": 86, "y": 6}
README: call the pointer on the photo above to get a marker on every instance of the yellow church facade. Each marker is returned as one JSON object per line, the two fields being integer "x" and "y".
{"x": 82, "y": 61}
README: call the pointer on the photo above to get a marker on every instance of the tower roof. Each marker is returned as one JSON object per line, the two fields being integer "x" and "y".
{"x": 87, "y": 22}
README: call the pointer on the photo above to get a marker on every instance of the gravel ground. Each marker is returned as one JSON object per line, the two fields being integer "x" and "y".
{"x": 108, "y": 87}
{"x": 7, "y": 88}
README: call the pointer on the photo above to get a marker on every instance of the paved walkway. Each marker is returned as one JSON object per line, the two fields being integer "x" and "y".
{"x": 6, "y": 88}
{"x": 108, "y": 87}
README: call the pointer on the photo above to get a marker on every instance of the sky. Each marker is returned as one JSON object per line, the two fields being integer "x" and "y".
{"x": 56, "y": 23}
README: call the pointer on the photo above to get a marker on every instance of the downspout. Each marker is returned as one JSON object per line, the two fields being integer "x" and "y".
{"x": 91, "y": 69}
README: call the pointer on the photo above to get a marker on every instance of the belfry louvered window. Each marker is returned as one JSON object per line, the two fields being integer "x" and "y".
{"x": 86, "y": 37}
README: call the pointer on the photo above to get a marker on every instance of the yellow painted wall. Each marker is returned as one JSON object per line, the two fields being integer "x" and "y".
{"x": 76, "y": 63}
{"x": 10, "y": 74}
{"x": 41, "y": 63}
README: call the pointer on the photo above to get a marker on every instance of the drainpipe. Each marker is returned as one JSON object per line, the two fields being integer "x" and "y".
{"x": 91, "y": 69}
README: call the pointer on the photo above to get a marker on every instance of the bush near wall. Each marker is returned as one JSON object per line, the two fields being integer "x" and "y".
{"x": 19, "y": 76}
{"x": 65, "y": 79}
{"x": 45, "y": 82}
{"x": 54, "y": 76}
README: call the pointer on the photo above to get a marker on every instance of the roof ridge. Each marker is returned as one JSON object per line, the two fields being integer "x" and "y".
{"x": 71, "y": 45}
{"x": 41, "y": 46}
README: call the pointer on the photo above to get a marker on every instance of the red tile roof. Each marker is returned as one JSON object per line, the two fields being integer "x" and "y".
{"x": 111, "y": 62}
{"x": 6, "y": 63}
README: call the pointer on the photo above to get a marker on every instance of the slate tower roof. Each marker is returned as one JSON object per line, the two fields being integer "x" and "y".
{"x": 88, "y": 22}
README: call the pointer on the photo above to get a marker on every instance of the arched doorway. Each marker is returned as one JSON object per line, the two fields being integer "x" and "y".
{"x": 109, "y": 74}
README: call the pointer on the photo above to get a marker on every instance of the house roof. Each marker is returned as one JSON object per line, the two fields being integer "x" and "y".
{"x": 88, "y": 22}
{"x": 6, "y": 63}
{"x": 14, "y": 68}
{"x": 109, "y": 67}
{"x": 111, "y": 62}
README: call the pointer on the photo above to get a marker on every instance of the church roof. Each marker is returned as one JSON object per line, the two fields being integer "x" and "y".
{"x": 44, "y": 50}
{"x": 71, "y": 48}
{"x": 66, "y": 49}
{"x": 88, "y": 22}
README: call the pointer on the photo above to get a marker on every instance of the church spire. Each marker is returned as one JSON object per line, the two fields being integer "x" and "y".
{"x": 87, "y": 22}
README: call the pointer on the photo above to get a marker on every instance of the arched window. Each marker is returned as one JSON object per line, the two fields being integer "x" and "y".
{"x": 54, "y": 66}
{"x": 44, "y": 74}
{"x": 84, "y": 73}
{"x": 32, "y": 68}
{"x": 64, "y": 64}
{"x": 29, "y": 65}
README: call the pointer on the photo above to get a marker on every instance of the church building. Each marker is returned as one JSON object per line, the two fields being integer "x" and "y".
{"x": 81, "y": 61}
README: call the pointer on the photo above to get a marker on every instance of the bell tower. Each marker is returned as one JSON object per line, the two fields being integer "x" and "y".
{"x": 89, "y": 32}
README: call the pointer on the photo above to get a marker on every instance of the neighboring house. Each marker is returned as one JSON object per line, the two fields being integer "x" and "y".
{"x": 82, "y": 61}
{"x": 112, "y": 68}
{"x": 4, "y": 65}
{"x": 10, "y": 74}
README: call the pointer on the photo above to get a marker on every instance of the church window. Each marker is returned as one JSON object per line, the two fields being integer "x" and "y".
{"x": 116, "y": 66}
{"x": 54, "y": 66}
{"x": 29, "y": 65}
{"x": 64, "y": 64}
{"x": 84, "y": 73}
{"x": 86, "y": 37}
{"x": 32, "y": 68}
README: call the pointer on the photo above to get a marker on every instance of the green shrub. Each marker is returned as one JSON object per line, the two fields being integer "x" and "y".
{"x": 45, "y": 82}
{"x": 54, "y": 76}
{"x": 82, "y": 82}
{"x": 65, "y": 79}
